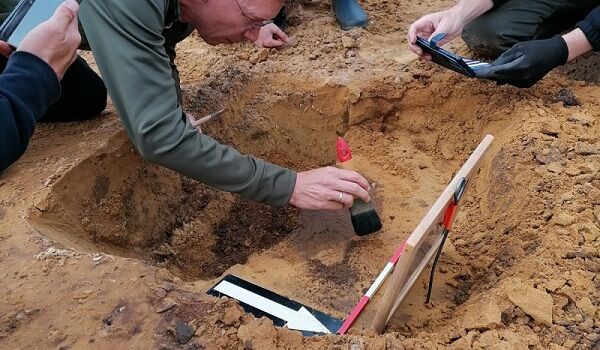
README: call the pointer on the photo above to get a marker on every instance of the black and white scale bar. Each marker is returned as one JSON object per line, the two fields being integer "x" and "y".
{"x": 281, "y": 310}
{"x": 476, "y": 64}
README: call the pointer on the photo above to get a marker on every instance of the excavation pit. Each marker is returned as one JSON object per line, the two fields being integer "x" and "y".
{"x": 116, "y": 203}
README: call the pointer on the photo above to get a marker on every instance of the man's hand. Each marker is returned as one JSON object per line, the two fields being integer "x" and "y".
{"x": 329, "y": 188}
{"x": 527, "y": 62}
{"x": 449, "y": 22}
{"x": 56, "y": 40}
{"x": 271, "y": 36}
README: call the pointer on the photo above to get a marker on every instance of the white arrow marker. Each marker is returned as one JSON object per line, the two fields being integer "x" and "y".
{"x": 301, "y": 320}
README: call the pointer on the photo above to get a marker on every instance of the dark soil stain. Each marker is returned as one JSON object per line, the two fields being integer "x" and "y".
{"x": 101, "y": 188}
{"x": 567, "y": 97}
{"x": 463, "y": 290}
{"x": 216, "y": 230}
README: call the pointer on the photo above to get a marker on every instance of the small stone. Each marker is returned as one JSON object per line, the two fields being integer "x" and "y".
{"x": 259, "y": 56}
{"x": 183, "y": 331}
{"x": 587, "y": 326}
{"x": 327, "y": 49}
{"x": 244, "y": 56}
{"x": 572, "y": 171}
{"x": 530, "y": 339}
{"x": 534, "y": 302}
{"x": 447, "y": 153}
{"x": 348, "y": 42}
{"x": 489, "y": 338}
{"x": 232, "y": 316}
{"x": 165, "y": 306}
{"x": 460, "y": 242}
{"x": 161, "y": 293}
{"x": 581, "y": 119}
{"x": 586, "y": 305}
{"x": 163, "y": 274}
{"x": 555, "y": 168}
{"x": 465, "y": 342}
{"x": 258, "y": 334}
{"x": 569, "y": 344}
{"x": 589, "y": 231}
{"x": 452, "y": 283}
{"x": 485, "y": 314}
{"x": 554, "y": 284}
{"x": 200, "y": 330}
{"x": 574, "y": 255}
{"x": 584, "y": 149}
{"x": 563, "y": 219}
{"x": 168, "y": 287}
{"x": 515, "y": 342}
{"x": 550, "y": 130}
{"x": 548, "y": 156}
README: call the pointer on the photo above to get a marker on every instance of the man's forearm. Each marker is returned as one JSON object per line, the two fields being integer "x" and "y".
{"x": 471, "y": 9}
{"x": 577, "y": 43}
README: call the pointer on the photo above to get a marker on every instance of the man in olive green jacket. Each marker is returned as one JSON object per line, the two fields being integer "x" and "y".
{"x": 133, "y": 43}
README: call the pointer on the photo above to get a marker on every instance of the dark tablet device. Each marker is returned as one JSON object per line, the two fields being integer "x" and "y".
{"x": 26, "y": 16}
{"x": 448, "y": 59}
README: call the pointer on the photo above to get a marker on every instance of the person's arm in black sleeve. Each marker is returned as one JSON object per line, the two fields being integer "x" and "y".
{"x": 28, "y": 86}
{"x": 590, "y": 26}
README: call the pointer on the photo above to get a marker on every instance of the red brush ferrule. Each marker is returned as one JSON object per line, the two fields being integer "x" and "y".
{"x": 343, "y": 150}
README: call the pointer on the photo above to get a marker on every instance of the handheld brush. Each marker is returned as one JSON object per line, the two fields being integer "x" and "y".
{"x": 365, "y": 219}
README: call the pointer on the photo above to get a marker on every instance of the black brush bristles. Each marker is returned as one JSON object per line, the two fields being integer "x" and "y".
{"x": 365, "y": 219}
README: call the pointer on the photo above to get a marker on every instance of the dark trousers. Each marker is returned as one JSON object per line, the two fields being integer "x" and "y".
{"x": 83, "y": 94}
{"x": 521, "y": 20}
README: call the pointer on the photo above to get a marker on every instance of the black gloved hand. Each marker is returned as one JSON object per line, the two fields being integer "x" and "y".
{"x": 527, "y": 62}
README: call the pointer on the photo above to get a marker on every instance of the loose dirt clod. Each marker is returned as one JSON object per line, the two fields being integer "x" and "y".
{"x": 485, "y": 314}
{"x": 534, "y": 302}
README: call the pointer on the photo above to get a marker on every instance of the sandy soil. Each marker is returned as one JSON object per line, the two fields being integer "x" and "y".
{"x": 99, "y": 249}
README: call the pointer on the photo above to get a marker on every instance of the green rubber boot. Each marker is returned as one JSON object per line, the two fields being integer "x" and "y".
{"x": 349, "y": 14}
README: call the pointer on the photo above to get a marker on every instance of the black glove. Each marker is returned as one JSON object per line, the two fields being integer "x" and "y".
{"x": 527, "y": 62}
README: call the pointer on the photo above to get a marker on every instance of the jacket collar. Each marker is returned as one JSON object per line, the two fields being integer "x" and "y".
{"x": 173, "y": 13}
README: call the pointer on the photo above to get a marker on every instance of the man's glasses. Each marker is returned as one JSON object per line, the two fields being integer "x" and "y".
{"x": 252, "y": 23}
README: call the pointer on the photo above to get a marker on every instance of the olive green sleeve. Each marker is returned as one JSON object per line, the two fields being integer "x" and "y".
{"x": 125, "y": 37}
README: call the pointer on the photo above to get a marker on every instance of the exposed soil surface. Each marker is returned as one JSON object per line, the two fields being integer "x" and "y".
{"x": 100, "y": 249}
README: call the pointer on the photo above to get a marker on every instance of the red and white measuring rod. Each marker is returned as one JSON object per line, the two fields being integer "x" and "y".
{"x": 372, "y": 290}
